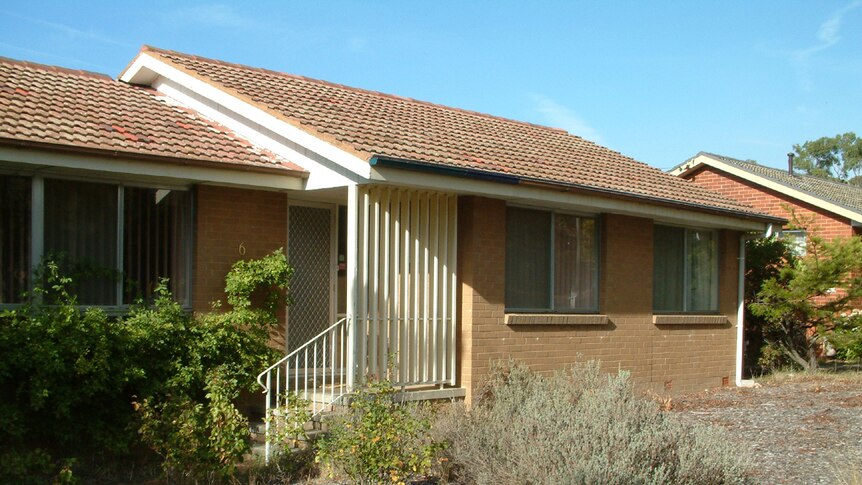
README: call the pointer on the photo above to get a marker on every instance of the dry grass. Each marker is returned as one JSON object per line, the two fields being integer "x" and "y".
{"x": 837, "y": 375}
{"x": 849, "y": 474}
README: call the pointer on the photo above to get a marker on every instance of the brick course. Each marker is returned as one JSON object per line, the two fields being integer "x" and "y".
{"x": 226, "y": 218}
{"x": 664, "y": 358}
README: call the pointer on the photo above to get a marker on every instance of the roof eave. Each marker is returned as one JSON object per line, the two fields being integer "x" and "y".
{"x": 384, "y": 161}
{"x": 201, "y": 162}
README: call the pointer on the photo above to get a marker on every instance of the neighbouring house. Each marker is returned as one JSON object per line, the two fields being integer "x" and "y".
{"x": 810, "y": 204}
{"x": 431, "y": 237}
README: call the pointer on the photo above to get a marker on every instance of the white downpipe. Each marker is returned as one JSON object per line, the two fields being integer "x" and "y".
{"x": 740, "y": 311}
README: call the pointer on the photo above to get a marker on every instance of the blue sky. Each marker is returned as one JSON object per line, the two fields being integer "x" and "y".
{"x": 658, "y": 81}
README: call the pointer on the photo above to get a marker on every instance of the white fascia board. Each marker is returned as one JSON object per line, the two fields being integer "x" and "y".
{"x": 245, "y": 116}
{"x": 121, "y": 168}
{"x": 770, "y": 184}
{"x": 563, "y": 199}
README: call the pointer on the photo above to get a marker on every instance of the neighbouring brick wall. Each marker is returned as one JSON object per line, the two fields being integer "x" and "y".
{"x": 225, "y": 219}
{"x": 826, "y": 224}
{"x": 670, "y": 358}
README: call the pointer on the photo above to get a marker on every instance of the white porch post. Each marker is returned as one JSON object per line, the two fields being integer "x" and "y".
{"x": 352, "y": 274}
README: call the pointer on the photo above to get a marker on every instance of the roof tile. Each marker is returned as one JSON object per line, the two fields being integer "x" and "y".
{"x": 839, "y": 193}
{"x": 79, "y": 109}
{"x": 373, "y": 124}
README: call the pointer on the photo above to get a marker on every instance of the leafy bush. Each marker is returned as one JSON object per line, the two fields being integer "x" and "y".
{"x": 847, "y": 335}
{"x": 578, "y": 426}
{"x": 203, "y": 362}
{"x": 378, "y": 440}
{"x": 72, "y": 378}
{"x": 61, "y": 384}
{"x": 287, "y": 422}
{"x": 804, "y": 302}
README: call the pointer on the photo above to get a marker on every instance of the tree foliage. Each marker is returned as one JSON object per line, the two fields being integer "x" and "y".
{"x": 806, "y": 299}
{"x": 838, "y": 158}
{"x": 764, "y": 259}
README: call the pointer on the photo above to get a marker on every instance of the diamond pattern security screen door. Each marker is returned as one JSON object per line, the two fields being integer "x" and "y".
{"x": 310, "y": 252}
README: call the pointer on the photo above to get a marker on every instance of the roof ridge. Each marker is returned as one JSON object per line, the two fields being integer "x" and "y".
{"x": 49, "y": 67}
{"x": 356, "y": 89}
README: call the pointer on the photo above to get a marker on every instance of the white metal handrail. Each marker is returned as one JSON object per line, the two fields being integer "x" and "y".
{"x": 315, "y": 372}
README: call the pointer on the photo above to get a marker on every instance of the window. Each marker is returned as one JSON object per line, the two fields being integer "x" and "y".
{"x": 685, "y": 270}
{"x": 551, "y": 262}
{"x": 14, "y": 237}
{"x": 116, "y": 242}
{"x": 796, "y": 240}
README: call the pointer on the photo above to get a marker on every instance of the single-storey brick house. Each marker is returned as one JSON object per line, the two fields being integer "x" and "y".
{"x": 810, "y": 204}
{"x": 439, "y": 237}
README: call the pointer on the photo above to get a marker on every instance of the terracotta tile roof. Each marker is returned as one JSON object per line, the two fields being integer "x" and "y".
{"x": 371, "y": 124}
{"x": 67, "y": 109}
{"x": 838, "y": 193}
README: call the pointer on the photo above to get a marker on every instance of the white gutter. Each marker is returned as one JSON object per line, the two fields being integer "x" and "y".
{"x": 740, "y": 311}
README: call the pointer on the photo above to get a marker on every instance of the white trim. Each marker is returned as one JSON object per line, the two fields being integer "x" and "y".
{"x": 123, "y": 168}
{"x": 563, "y": 199}
{"x": 146, "y": 69}
{"x": 814, "y": 200}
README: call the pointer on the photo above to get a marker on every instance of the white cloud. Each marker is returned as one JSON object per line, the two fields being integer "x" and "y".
{"x": 559, "y": 116}
{"x": 213, "y": 14}
{"x": 828, "y": 34}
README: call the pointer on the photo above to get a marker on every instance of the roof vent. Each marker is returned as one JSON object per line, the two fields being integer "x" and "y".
{"x": 790, "y": 162}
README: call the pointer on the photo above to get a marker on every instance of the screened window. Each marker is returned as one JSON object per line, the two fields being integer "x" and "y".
{"x": 551, "y": 262}
{"x": 685, "y": 270}
{"x": 115, "y": 242}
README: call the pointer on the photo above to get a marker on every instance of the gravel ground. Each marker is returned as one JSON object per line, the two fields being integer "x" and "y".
{"x": 800, "y": 429}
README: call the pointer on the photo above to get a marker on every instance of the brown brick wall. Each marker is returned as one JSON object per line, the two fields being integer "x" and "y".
{"x": 676, "y": 358}
{"x": 824, "y": 223}
{"x": 225, "y": 219}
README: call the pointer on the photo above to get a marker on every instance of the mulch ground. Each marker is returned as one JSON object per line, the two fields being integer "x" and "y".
{"x": 800, "y": 429}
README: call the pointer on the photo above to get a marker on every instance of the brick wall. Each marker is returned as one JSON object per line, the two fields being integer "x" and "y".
{"x": 664, "y": 358}
{"x": 826, "y": 224}
{"x": 227, "y": 218}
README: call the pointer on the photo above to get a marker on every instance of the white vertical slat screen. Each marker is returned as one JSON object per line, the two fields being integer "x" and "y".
{"x": 405, "y": 292}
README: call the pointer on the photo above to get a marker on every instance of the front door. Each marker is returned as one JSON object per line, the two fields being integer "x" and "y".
{"x": 311, "y": 253}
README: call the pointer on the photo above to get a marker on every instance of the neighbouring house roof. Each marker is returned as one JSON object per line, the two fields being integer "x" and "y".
{"x": 837, "y": 197}
{"x": 56, "y": 108}
{"x": 391, "y": 130}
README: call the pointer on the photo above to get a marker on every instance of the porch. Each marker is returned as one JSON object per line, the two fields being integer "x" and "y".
{"x": 383, "y": 268}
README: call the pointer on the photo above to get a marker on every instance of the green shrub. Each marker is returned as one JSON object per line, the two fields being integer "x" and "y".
{"x": 378, "y": 440}
{"x": 186, "y": 408}
{"x": 846, "y": 338}
{"x": 71, "y": 378}
{"x": 287, "y": 422}
{"x": 61, "y": 384}
{"x": 578, "y": 427}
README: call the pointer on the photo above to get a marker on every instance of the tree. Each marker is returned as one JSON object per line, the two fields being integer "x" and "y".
{"x": 806, "y": 300}
{"x": 764, "y": 259}
{"x": 837, "y": 158}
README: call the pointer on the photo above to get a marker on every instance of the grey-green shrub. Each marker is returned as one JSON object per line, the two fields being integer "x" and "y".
{"x": 579, "y": 426}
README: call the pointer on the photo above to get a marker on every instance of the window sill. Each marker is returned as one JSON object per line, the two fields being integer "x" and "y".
{"x": 689, "y": 320}
{"x": 555, "y": 319}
